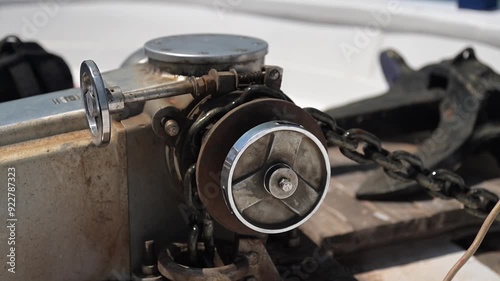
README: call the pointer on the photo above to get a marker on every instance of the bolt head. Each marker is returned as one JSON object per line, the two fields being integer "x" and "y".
{"x": 274, "y": 74}
{"x": 172, "y": 128}
{"x": 286, "y": 184}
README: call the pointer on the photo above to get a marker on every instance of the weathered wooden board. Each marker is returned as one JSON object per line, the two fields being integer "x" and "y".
{"x": 428, "y": 259}
{"x": 345, "y": 224}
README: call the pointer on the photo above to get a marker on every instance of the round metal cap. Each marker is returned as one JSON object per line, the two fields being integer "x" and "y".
{"x": 205, "y": 49}
{"x": 275, "y": 177}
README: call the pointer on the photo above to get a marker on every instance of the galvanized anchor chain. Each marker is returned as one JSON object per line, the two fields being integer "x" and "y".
{"x": 404, "y": 166}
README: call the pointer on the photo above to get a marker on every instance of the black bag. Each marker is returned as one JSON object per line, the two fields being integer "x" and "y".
{"x": 26, "y": 69}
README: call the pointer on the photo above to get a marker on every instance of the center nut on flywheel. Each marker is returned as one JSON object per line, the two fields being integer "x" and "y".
{"x": 270, "y": 163}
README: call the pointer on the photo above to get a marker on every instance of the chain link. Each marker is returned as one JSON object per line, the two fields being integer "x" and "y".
{"x": 364, "y": 147}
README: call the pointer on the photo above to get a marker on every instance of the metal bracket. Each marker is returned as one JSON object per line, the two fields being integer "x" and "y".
{"x": 252, "y": 263}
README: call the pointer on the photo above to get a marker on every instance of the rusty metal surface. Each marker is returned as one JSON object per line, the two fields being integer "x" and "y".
{"x": 155, "y": 203}
{"x": 72, "y": 208}
{"x": 252, "y": 261}
{"x": 306, "y": 260}
{"x": 261, "y": 264}
{"x": 80, "y": 214}
{"x": 219, "y": 141}
{"x": 168, "y": 266}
